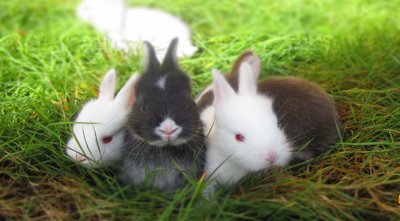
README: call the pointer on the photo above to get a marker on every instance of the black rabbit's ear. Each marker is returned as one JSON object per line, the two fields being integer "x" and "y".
{"x": 151, "y": 63}
{"x": 171, "y": 60}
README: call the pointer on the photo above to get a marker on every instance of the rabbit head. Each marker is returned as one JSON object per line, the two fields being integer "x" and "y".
{"x": 165, "y": 113}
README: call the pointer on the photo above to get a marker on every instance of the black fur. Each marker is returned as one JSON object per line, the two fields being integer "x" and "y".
{"x": 164, "y": 167}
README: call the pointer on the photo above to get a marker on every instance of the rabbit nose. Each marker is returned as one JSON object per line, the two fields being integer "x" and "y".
{"x": 168, "y": 128}
{"x": 272, "y": 156}
{"x": 168, "y": 131}
{"x": 80, "y": 158}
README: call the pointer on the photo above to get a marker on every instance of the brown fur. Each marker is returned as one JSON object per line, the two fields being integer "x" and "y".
{"x": 305, "y": 113}
{"x": 233, "y": 79}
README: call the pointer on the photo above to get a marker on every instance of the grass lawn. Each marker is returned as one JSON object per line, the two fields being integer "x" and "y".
{"x": 51, "y": 64}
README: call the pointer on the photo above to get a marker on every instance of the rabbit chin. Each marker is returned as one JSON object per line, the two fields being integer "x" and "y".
{"x": 163, "y": 143}
{"x": 258, "y": 163}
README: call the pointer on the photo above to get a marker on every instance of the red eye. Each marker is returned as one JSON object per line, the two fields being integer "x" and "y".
{"x": 239, "y": 137}
{"x": 107, "y": 139}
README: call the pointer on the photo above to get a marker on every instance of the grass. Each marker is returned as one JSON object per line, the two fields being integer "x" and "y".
{"x": 51, "y": 64}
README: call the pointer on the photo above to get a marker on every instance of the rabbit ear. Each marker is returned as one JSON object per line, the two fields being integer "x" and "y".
{"x": 107, "y": 87}
{"x": 126, "y": 96}
{"x": 252, "y": 59}
{"x": 247, "y": 80}
{"x": 151, "y": 63}
{"x": 222, "y": 89}
{"x": 171, "y": 61}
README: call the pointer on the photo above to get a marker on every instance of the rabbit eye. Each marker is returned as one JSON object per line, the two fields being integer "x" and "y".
{"x": 107, "y": 139}
{"x": 143, "y": 108}
{"x": 239, "y": 137}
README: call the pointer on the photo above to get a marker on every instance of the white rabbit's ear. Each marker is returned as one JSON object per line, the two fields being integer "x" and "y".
{"x": 126, "y": 96}
{"x": 255, "y": 63}
{"x": 222, "y": 89}
{"x": 247, "y": 79}
{"x": 107, "y": 87}
{"x": 252, "y": 59}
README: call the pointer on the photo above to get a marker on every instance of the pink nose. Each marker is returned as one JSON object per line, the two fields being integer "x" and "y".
{"x": 168, "y": 131}
{"x": 272, "y": 156}
{"x": 80, "y": 157}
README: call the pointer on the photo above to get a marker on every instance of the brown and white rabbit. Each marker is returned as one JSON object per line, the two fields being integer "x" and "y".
{"x": 254, "y": 126}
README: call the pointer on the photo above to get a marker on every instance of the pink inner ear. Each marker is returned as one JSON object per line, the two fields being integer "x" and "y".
{"x": 108, "y": 85}
{"x": 217, "y": 94}
{"x": 131, "y": 100}
{"x": 222, "y": 89}
{"x": 247, "y": 80}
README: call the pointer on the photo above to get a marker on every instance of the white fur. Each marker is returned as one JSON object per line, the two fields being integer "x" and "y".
{"x": 99, "y": 118}
{"x": 161, "y": 82}
{"x": 168, "y": 125}
{"x": 246, "y": 113}
{"x": 126, "y": 28}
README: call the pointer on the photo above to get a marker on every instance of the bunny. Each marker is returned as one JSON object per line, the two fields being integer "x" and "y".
{"x": 254, "y": 126}
{"x": 127, "y": 28}
{"x": 98, "y": 130}
{"x": 164, "y": 139}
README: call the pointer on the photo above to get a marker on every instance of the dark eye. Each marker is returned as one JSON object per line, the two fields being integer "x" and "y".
{"x": 143, "y": 108}
{"x": 239, "y": 137}
{"x": 107, "y": 139}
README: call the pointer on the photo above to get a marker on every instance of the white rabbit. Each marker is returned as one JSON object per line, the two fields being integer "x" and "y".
{"x": 245, "y": 136}
{"x": 262, "y": 125}
{"x": 127, "y": 28}
{"x": 99, "y": 128}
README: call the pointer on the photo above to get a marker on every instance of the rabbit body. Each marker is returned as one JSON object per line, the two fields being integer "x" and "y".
{"x": 127, "y": 28}
{"x": 254, "y": 126}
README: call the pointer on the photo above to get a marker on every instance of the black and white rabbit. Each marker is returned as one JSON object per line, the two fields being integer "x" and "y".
{"x": 254, "y": 126}
{"x": 164, "y": 140}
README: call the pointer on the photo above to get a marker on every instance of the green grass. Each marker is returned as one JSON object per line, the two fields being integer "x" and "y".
{"x": 51, "y": 64}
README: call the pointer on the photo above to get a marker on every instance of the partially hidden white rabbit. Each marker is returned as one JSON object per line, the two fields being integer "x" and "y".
{"x": 127, "y": 28}
{"x": 98, "y": 130}
{"x": 254, "y": 126}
